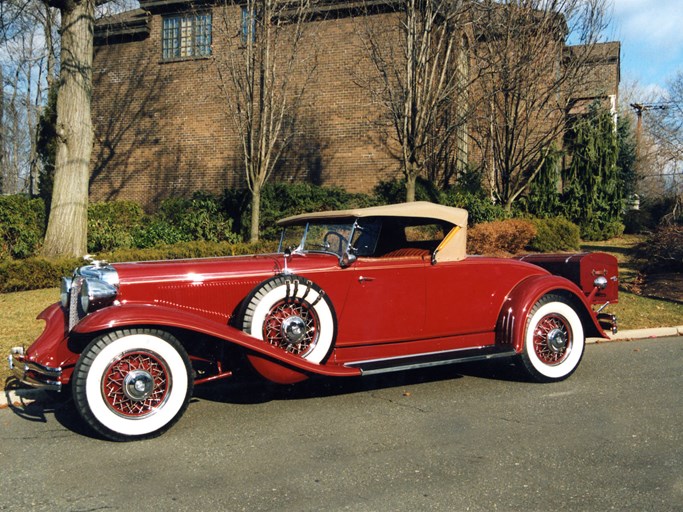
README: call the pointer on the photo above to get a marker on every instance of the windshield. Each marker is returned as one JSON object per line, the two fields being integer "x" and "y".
{"x": 332, "y": 236}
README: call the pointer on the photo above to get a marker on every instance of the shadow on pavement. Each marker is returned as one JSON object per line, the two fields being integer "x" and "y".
{"x": 251, "y": 389}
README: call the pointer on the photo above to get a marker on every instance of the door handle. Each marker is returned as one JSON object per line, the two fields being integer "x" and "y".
{"x": 363, "y": 279}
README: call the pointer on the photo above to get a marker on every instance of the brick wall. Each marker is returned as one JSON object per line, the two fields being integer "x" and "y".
{"x": 165, "y": 128}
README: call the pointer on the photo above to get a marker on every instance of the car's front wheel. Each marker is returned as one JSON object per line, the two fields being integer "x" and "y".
{"x": 553, "y": 341}
{"x": 132, "y": 383}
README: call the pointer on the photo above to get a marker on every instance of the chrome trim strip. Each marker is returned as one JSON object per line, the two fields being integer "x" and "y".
{"x": 412, "y": 356}
{"x": 442, "y": 362}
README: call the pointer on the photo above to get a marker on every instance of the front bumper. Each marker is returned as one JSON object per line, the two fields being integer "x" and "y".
{"x": 33, "y": 374}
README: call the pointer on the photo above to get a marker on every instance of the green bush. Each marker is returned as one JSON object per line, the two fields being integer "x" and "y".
{"x": 394, "y": 191}
{"x": 36, "y": 273}
{"x": 500, "y": 238}
{"x": 111, "y": 225}
{"x": 555, "y": 234}
{"x": 22, "y": 226}
{"x": 595, "y": 230}
{"x": 280, "y": 200}
{"x": 201, "y": 217}
{"x": 480, "y": 208}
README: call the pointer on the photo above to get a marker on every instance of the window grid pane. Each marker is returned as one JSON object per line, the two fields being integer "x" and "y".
{"x": 186, "y": 36}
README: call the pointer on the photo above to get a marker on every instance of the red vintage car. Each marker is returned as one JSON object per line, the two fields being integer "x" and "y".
{"x": 349, "y": 293}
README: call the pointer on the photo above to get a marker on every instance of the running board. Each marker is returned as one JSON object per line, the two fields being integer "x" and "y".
{"x": 397, "y": 364}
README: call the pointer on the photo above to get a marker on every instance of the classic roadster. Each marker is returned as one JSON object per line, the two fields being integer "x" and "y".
{"x": 349, "y": 293}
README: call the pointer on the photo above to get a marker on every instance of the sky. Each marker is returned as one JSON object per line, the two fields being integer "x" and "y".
{"x": 651, "y": 35}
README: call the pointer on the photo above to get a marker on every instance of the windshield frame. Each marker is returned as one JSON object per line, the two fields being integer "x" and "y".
{"x": 340, "y": 227}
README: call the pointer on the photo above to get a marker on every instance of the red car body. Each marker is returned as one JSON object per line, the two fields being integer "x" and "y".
{"x": 335, "y": 310}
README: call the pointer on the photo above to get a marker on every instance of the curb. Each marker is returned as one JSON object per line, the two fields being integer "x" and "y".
{"x": 640, "y": 334}
{"x": 25, "y": 396}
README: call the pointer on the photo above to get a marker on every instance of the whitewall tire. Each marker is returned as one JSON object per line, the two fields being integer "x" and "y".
{"x": 554, "y": 340}
{"x": 132, "y": 383}
{"x": 292, "y": 313}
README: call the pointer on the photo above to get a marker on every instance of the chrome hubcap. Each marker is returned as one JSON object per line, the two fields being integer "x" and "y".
{"x": 557, "y": 340}
{"x": 138, "y": 385}
{"x": 293, "y": 329}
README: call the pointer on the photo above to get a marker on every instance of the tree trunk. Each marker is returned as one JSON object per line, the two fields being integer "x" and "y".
{"x": 68, "y": 222}
{"x": 410, "y": 187}
{"x": 255, "y": 213}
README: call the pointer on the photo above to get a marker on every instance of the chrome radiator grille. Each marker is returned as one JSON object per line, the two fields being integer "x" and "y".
{"x": 75, "y": 311}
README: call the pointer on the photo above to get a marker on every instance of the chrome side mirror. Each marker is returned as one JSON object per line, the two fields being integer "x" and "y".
{"x": 347, "y": 259}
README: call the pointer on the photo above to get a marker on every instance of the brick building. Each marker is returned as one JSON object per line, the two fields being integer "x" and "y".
{"x": 162, "y": 126}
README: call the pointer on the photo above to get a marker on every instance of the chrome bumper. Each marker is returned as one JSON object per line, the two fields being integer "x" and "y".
{"x": 33, "y": 374}
{"x": 608, "y": 322}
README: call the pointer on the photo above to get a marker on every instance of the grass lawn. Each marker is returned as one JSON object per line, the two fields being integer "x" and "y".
{"x": 19, "y": 310}
{"x": 18, "y": 324}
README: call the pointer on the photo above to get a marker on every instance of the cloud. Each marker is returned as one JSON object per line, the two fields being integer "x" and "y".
{"x": 652, "y": 38}
{"x": 655, "y": 23}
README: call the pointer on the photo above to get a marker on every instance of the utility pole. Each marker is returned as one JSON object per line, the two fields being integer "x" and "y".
{"x": 640, "y": 108}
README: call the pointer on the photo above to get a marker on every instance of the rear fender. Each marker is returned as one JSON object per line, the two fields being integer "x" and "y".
{"x": 129, "y": 315}
{"x": 518, "y": 303}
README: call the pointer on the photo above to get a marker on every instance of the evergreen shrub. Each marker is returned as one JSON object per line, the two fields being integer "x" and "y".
{"x": 394, "y": 191}
{"x": 555, "y": 234}
{"x": 36, "y": 273}
{"x": 22, "y": 226}
{"x": 596, "y": 230}
{"x": 280, "y": 200}
{"x": 500, "y": 238}
{"x": 111, "y": 225}
{"x": 479, "y": 207}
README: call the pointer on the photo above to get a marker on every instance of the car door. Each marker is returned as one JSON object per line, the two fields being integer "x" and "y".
{"x": 385, "y": 303}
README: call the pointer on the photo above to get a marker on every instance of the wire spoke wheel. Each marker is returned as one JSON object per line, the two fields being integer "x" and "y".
{"x": 552, "y": 339}
{"x": 132, "y": 383}
{"x": 291, "y": 313}
{"x": 136, "y": 384}
{"x": 293, "y": 326}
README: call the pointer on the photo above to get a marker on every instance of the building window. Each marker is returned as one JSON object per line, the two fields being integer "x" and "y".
{"x": 186, "y": 36}
{"x": 248, "y": 25}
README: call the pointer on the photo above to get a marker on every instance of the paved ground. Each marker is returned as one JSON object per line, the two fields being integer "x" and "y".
{"x": 458, "y": 438}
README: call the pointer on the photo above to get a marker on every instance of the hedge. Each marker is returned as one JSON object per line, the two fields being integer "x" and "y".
{"x": 36, "y": 273}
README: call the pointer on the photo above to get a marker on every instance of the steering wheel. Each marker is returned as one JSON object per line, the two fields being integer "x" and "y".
{"x": 341, "y": 241}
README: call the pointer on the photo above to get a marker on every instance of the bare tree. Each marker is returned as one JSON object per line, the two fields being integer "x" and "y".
{"x": 264, "y": 75}
{"x": 527, "y": 77}
{"x": 666, "y": 130}
{"x": 414, "y": 47}
{"x": 67, "y": 226}
{"x": 24, "y": 61}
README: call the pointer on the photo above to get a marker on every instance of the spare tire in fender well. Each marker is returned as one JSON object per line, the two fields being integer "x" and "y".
{"x": 292, "y": 313}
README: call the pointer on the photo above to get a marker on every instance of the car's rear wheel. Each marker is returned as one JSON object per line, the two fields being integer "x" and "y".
{"x": 291, "y": 313}
{"x": 132, "y": 383}
{"x": 553, "y": 341}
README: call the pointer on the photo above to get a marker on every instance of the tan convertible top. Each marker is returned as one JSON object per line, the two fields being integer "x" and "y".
{"x": 451, "y": 249}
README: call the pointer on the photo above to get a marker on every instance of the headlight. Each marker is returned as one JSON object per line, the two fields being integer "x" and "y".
{"x": 600, "y": 282}
{"x": 64, "y": 291}
{"x": 96, "y": 294}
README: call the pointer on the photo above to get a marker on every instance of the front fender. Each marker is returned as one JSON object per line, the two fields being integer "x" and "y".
{"x": 130, "y": 315}
{"x": 517, "y": 304}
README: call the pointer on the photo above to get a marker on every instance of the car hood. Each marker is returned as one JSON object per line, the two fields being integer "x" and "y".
{"x": 194, "y": 271}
